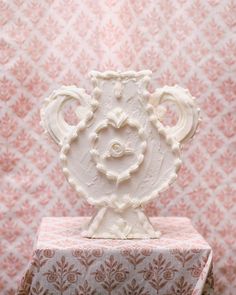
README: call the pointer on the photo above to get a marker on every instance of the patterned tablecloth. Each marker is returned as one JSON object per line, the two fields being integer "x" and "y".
{"x": 179, "y": 263}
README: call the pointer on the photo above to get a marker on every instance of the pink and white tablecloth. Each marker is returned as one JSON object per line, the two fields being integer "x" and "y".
{"x": 63, "y": 262}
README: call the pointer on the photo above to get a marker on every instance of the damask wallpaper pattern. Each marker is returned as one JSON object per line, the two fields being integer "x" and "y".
{"x": 44, "y": 44}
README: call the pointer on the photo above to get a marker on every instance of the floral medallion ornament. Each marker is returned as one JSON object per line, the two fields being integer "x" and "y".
{"x": 120, "y": 156}
{"x": 118, "y": 148}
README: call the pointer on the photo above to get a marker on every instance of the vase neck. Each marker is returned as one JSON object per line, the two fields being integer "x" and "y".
{"x": 120, "y": 76}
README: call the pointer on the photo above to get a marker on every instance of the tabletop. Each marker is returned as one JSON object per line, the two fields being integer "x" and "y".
{"x": 64, "y": 262}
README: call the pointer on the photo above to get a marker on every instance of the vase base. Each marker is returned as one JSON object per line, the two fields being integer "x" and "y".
{"x": 131, "y": 223}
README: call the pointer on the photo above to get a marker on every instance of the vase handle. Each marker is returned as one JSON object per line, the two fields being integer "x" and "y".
{"x": 52, "y": 116}
{"x": 188, "y": 112}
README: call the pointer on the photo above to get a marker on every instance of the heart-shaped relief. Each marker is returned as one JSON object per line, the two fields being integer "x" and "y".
{"x": 118, "y": 146}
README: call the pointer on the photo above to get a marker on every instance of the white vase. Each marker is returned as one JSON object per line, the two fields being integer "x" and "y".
{"x": 120, "y": 156}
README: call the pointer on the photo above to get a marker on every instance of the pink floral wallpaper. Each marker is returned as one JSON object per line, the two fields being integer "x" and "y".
{"x": 44, "y": 44}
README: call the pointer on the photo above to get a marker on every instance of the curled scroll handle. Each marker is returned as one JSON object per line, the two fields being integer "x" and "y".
{"x": 52, "y": 118}
{"x": 187, "y": 110}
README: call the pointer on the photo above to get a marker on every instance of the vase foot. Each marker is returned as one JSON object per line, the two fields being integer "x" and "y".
{"x": 131, "y": 223}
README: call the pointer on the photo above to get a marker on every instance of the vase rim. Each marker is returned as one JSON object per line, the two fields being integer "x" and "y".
{"x": 119, "y": 74}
